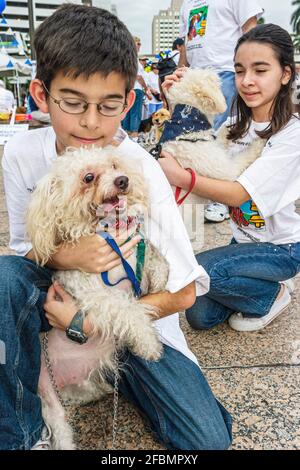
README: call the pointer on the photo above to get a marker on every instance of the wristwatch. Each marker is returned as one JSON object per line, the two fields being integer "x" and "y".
{"x": 75, "y": 329}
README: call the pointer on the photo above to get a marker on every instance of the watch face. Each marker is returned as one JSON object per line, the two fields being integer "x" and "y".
{"x": 77, "y": 336}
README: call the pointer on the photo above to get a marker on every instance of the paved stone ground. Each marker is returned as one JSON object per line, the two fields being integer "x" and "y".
{"x": 255, "y": 375}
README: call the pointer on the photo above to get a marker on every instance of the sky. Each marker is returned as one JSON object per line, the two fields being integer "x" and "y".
{"x": 138, "y": 15}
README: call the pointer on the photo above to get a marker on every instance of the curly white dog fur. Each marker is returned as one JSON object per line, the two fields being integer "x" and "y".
{"x": 201, "y": 151}
{"x": 64, "y": 207}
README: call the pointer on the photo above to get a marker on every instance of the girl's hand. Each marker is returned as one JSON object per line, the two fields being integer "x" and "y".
{"x": 177, "y": 176}
{"x": 60, "y": 312}
{"x": 175, "y": 77}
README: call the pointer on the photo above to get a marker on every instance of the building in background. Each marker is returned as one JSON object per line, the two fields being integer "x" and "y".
{"x": 16, "y": 15}
{"x": 106, "y": 4}
{"x": 165, "y": 27}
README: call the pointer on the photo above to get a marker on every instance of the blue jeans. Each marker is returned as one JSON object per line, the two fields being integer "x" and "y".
{"x": 133, "y": 118}
{"x": 244, "y": 277}
{"x": 229, "y": 92}
{"x": 172, "y": 393}
{"x": 153, "y": 108}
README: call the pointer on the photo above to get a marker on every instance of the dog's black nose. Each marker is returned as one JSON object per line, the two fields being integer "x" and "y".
{"x": 122, "y": 182}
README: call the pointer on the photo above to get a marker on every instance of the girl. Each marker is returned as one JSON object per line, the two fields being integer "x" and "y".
{"x": 249, "y": 275}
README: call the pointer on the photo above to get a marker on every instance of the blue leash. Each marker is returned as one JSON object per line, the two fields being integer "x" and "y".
{"x": 128, "y": 269}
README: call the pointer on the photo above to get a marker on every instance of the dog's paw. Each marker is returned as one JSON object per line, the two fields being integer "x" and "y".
{"x": 150, "y": 351}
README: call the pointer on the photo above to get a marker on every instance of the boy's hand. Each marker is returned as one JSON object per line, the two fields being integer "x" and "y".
{"x": 93, "y": 255}
{"x": 60, "y": 312}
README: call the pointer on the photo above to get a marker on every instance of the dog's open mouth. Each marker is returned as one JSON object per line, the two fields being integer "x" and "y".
{"x": 113, "y": 204}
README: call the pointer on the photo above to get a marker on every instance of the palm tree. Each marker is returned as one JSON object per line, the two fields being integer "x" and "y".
{"x": 295, "y": 19}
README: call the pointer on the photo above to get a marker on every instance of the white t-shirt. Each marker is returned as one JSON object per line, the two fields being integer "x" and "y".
{"x": 141, "y": 71}
{"x": 7, "y": 100}
{"x": 152, "y": 80}
{"x": 273, "y": 182}
{"x": 175, "y": 55}
{"x": 212, "y": 29}
{"x": 29, "y": 155}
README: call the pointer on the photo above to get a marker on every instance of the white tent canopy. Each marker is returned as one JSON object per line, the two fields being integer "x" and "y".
{"x": 9, "y": 63}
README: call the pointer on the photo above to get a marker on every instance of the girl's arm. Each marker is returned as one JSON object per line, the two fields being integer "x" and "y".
{"x": 227, "y": 192}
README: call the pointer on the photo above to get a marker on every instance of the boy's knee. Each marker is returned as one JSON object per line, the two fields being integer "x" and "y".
{"x": 10, "y": 267}
{"x": 203, "y": 439}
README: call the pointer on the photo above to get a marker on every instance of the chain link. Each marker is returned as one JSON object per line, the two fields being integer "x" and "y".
{"x": 116, "y": 396}
{"x": 45, "y": 347}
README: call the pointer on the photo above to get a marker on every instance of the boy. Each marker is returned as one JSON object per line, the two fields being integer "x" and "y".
{"x": 87, "y": 63}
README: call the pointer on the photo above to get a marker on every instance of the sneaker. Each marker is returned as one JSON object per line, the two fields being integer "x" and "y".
{"x": 216, "y": 212}
{"x": 44, "y": 442}
{"x": 239, "y": 322}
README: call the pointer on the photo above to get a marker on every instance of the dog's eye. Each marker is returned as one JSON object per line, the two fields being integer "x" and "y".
{"x": 89, "y": 178}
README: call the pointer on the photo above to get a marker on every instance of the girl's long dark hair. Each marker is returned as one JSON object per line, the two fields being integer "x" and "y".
{"x": 282, "y": 108}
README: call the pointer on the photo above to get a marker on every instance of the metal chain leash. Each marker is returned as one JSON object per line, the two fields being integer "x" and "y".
{"x": 45, "y": 347}
{"x": 116, "y": 396}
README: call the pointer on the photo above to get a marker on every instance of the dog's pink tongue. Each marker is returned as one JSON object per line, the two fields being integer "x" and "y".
{"x": 110, "y": 204}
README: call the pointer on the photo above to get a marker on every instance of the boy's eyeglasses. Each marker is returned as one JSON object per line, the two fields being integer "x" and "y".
{"x": 109, "y": 108}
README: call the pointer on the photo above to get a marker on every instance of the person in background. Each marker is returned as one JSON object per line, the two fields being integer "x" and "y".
{"x": 7, "y": 99}
{"x": 153, "y": 83}
{"x": 177, "y": 50}
{"x": 133, "y": 118}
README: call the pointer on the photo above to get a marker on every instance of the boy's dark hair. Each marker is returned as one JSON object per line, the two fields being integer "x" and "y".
{"x": 81, "y": 40}
{"x": 282, "y": 110}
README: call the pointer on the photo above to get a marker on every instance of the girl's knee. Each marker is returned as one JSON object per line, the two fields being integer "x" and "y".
{"x": 200, "y": 320}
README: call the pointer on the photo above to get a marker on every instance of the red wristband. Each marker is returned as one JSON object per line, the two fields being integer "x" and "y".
{"x": 192, "y": 185}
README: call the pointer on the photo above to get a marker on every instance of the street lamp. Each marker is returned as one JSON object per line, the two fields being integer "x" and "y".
{"x": 31, "y": 27}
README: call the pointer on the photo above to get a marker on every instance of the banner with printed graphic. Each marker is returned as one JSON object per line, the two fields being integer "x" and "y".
{"x": 9, "y": 43}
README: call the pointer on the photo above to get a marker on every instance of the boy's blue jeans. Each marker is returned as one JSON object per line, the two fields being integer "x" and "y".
{"x": 172, "y": 393}
{"x": 244, "y": 277}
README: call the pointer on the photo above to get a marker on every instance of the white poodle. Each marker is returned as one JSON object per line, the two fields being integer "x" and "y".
{"x": 86, "y": 188}
{"x": 202, "y": 151}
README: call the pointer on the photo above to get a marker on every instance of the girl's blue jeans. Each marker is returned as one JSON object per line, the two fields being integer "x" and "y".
{"x": 244, "y": 277}
{"x": 172, "y": 394}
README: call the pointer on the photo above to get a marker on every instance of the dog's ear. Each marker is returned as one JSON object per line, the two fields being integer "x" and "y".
{"x": 42, "y": 220}
{"x": 210, "y": 97}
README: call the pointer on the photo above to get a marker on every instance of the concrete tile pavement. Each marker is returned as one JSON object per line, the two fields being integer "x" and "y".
{"x": 255, "y": 375}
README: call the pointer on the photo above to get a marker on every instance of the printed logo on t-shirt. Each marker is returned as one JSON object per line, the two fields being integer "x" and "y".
{"x": 247, "y": 216}
{"x": 197, "y": 22}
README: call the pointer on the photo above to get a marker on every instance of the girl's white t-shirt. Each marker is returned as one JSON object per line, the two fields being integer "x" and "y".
{"x": 273, "y": 182}
{"x": 27, "y": 158}
{"x": 212, "y": 29}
